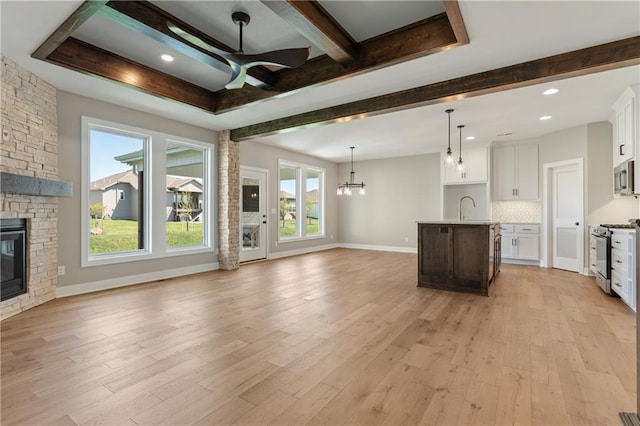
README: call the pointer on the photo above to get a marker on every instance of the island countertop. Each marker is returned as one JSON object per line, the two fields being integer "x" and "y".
{"x": 457, "y": 222}
{"x": 458, "y": 255}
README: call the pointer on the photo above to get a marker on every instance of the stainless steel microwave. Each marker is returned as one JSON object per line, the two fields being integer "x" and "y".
{"x": 623, "y": 178}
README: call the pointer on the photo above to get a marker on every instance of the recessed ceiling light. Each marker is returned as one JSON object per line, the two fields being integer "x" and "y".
{"x": 166, "y": 58}
{"x": 545, "y": 117}
{"x": 470, "y": 138}
{"x": 505, "y": 134}
{"x": 551, "y": 91}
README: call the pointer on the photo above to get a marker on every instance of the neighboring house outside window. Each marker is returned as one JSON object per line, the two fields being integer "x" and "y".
{"x": 119, "y": 217}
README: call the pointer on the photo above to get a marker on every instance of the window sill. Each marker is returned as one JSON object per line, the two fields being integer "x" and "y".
{"x": 114, "y": 259}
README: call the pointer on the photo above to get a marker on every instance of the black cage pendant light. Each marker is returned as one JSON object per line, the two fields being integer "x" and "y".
{"x": 460, "y": 163}
{"x": 449, "y": 153}
{"x": 345, "y": 188}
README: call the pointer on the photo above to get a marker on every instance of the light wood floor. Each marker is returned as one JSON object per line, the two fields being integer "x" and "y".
{"x": 337, "y": 337}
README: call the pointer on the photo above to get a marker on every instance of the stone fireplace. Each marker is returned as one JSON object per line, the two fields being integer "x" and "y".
{"x": 29, "y": 166}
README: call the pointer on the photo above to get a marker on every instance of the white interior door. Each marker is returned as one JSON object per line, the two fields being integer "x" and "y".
{"x": 253, "y": 214}
{"x": 567, "y": 217}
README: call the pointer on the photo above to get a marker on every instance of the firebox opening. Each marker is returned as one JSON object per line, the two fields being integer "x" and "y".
{"x": 13, "y": 258}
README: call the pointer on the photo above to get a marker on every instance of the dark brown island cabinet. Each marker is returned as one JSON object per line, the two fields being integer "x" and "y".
{"x": 458, "y": 256}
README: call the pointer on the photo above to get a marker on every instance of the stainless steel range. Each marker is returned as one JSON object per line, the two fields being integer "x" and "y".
{"x": 602, "y": 235}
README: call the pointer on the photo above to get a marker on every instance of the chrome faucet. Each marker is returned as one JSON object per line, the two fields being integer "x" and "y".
{"x": 460, "y": 217}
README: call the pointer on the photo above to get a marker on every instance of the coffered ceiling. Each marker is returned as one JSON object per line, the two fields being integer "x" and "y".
{"x": 488, "y": 60}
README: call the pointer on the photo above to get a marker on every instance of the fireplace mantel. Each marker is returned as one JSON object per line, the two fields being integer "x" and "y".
{"x": 11, "y": 183}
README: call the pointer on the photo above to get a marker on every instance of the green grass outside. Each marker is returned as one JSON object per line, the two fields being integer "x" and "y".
{"x": 289, "y": 228}
{"x": 122, "y": 235}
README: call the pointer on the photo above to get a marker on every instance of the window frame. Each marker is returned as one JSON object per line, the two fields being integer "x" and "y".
{"x": 154, "y": 227}
{"x": 301, "y": 200}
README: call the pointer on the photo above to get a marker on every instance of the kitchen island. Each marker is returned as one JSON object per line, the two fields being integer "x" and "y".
{"x": 461, "y": 256}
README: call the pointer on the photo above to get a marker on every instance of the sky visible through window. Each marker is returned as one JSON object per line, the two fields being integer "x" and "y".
{"x": 290, "y": 185}
{"x": 104, "y": 147}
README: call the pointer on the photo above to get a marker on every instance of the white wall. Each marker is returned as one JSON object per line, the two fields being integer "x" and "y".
{"x": 266, "y": 157}
{"x": 400, "y": 191}
{"x": 451, "y": 199}
{"x": 70, "y": 109}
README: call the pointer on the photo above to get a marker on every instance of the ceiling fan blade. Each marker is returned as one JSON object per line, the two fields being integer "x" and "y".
{"x": 196, "y": 41}
{"x": 289, "y": 58}
{"x": 238, "y": 77}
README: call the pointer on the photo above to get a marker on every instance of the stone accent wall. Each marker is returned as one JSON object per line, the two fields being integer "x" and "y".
{"x": 29, "y": 146}
{"x": 228, "y": 202}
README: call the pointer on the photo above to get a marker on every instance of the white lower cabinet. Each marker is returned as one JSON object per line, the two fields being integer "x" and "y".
{"x": 623, "y": 271}
{"x": 520, "y": 241}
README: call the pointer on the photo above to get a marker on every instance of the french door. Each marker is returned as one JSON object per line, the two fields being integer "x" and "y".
{"x": 253, "y": 214}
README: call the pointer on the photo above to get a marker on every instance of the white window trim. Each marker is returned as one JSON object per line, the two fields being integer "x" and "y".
{"x": 301, "y": 188}
{"x": 155, "y": 229}
{"x": 206, "y": 193}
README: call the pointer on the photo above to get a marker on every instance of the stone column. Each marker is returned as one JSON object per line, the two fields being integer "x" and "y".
{"x": 228, "y": 202}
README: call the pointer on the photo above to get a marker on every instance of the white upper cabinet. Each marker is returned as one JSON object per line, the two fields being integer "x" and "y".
{"x": 625, "y": 124}
{"x": 475, "y": 168}
{"x": 515, "y": 173}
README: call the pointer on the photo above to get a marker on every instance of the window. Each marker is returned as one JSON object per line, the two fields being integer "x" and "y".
{"x": 301, "y": 201}
{"x": 127, "y": 203}
{"x": 116, "y": 224}
{"x": 288, "y": 201}
{"x": 185, "y": 195}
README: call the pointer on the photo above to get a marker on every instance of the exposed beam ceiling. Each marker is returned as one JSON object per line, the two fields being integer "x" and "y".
{"x": 313, "y": 22}
{"x": 151, "y": 21}
{"x": 80, "y": 56}
{"x": 421, "y": 38}
{"x": 604, "y": 57}
{"x": 77, "y": 18}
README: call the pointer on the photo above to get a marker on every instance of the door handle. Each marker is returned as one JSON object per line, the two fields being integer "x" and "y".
{"x": 577, "y": 223}
{"x": 621, "y": 149}
{"x": 264, "y": 221}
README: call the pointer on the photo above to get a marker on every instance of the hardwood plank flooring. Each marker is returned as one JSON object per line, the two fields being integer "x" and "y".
{"x": 334, "y": 337}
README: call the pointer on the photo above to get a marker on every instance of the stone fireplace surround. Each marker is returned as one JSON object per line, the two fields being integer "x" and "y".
{"x": 29, "y": 159}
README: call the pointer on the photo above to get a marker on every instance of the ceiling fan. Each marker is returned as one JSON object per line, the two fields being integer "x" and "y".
{"x": 241, "y": 62}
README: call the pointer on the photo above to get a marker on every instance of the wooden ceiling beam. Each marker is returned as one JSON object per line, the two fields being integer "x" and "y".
{"x": 452, "y": 8}
{"x": 85, "y": 11}
{"x": 410, "y": 42}
{"x": 317, "y": 26}
{"x": 80, "y": 56}
{"x": 151, "y": 21}
{"x": 604, "y": 57}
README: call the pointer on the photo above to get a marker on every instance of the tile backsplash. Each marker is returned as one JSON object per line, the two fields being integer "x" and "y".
{"x": 517, "y": 211}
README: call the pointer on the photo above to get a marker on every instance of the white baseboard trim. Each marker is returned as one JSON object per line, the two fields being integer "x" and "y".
{"x": 588, "y": 272}
{"x": 379, "y": 248}
{"x": 521, "y": 262}
{"x": 72, "y": 290}
{"x": 296, "y": 252}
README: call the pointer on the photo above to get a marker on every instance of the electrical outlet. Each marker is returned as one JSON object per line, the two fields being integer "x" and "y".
{"x": 406, "y": 239}
{"x": 61, "y": 270}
